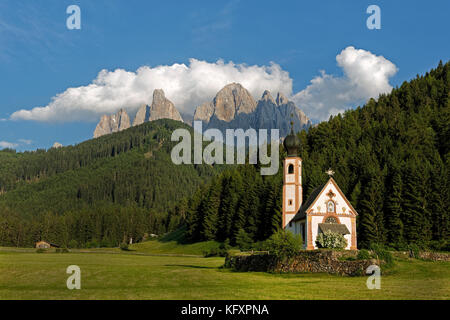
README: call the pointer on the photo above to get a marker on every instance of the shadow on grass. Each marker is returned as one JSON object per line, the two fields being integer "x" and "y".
{"x": 177, "y": 235}
{"x": 189, "y": 266}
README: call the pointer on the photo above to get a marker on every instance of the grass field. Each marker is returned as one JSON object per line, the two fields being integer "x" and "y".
{"x": 112, "y": 274}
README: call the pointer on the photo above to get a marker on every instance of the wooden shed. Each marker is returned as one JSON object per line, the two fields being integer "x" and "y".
{"x": 45, "y": 245}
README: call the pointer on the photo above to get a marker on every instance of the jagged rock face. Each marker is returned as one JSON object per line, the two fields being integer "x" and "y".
{"x": 234, "y": 108}
{"x": 163, "y": 108}
{"x": 142, "y": 115}
{"x": 229, "y": 102}
{"x": 281, "y": 99}
{"x": 278, "y": 114}
{"x": 113, "y": 123}
{"x": 267, "y": 97}
{"x": 204, "y": 112}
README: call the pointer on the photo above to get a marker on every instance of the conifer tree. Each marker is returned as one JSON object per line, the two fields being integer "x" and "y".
{"x": 394, "y": 224}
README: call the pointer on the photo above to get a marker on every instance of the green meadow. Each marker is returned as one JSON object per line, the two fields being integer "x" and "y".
{"x": 153, "y": 270}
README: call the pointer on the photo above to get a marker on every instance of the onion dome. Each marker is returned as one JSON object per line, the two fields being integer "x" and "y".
{"x": 292, "y": 144}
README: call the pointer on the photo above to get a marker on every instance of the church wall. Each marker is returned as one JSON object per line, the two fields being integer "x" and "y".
{"x": 315, "y": 229}
{"x": 341, "y": 205}
{"x": 288, "y": 218}
{"x": 348, "y": 222}
{"x": 290, "y": 178}
{"x": 291, "y": 228}
{"x": 289, "y": 195}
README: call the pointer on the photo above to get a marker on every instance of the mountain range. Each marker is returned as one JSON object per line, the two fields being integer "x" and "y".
{"x": 233, "y": 107}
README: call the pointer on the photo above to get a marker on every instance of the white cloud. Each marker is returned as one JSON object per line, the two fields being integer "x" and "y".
{"x": 187, "y": 86}
{"x": 365, "y": 76}
{"x": 6, "y": 144}
{"x": 26, "y": 141}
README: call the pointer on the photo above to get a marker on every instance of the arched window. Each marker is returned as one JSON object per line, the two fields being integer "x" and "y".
{"x": 331, "y": 220}
{"x": 291, "y": 169}
{"x": 330, "y": 206}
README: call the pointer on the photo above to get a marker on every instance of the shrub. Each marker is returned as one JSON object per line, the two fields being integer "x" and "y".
{"x": 214, "y": 252}
{"x": 331, "y": 240}
{"x": 382, "y": 254}
{"x": 283, "y": 244}
{"x": 413, "y": 251}
{"x": 105, "y": 243}
{"x": 92, "y": 244}
{"x": 363, "y": 255}
{"x": 220, "y": 251}
{"x": 40, "y": 250}
{"x": 440, "y": 245}
{"x": 73, "y": 244}
{"x": 243, "y": 240}
{"x": 259, "y": 246}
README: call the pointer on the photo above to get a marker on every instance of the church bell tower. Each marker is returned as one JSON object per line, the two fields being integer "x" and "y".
{"x": 292, "y": 179}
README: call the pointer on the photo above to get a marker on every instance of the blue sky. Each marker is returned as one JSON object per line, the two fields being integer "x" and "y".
{"x": 40, "y": 57}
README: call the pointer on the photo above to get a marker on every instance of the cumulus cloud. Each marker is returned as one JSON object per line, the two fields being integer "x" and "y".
{"x": 6, "y": 144}
{"x": 187, "y": 86}
{"x": 365, "y": 76}
{"x": 26, "y": 141}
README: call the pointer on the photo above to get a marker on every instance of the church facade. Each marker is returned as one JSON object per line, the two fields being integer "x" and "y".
{"x": 326, "y": 208}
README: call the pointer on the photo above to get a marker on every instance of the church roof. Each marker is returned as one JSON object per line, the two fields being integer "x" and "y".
{"x": 301, "y": 214}
{"x": 302, "y": 211}
{"x": 334, "y": 227}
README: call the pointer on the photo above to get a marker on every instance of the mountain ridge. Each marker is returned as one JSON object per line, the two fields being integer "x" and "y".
{"x": 161, "y": 108}
{"x": 233, "y": 107}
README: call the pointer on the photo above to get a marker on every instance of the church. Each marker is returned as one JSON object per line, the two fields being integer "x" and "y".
{"x": 326, "y": 208}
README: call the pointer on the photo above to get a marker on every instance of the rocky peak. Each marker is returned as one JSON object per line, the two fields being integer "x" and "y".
{"x": 159, "y": 96}
{"x": 267, "y": 97}
{"x": 163, "y": 108}
{"x": 229, "y": 102}
{"x": 113, "y": 123}
{"x": 281, "y": 99}
{"x": 142, "y": 115}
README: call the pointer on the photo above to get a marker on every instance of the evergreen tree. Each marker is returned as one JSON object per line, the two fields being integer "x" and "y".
{"x": 394, "y": 224}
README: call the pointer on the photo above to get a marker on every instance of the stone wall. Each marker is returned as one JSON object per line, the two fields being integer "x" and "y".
{"x": 318, "y": 261}
{"x": 425, "y": 255}
{"x": 434, "y": 256}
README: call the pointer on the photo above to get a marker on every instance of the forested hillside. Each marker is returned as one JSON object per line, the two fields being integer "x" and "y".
{"x": 105, "y": 190}
{"x": 391, "y": 158}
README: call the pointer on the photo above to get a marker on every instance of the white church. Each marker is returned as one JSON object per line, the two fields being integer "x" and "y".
{"x": 327, "y": 208}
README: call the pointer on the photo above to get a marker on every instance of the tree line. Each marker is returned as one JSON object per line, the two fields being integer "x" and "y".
{"x": 102, "y": 191}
